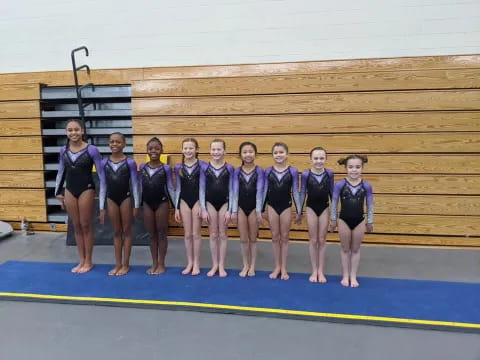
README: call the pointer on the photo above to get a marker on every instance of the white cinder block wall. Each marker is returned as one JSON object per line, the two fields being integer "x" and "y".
{"x": 38, "y": 35}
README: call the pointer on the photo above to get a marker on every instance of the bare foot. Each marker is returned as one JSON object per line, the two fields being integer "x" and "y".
{"x": 115, "y": 270}
{"x": 354, "y": 283}
{"x": 151, "y": 270}
{"x": 123, "y": 270}
{"x": 160, "y": 270}
{"x": 76, "y": 268}
{"x": 274, "y": 274}
{"x": 222, "y": 272}
{"x": 196, "y": 270}
{"x": 187, "y": 270}
{"x": 85, "y": 268}
{"x": 344, "y": 281}
{"x": 244, "y": 271}
{"x": 251, "y": 271}
{"x": 314, "y": 277}
{"x": 285, "y": 276}
{"x": 321, "y": 278}
{"x": 212, "y": 271}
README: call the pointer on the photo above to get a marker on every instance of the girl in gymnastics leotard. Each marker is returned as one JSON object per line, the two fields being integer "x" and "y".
{"x": 317, "y": 187}
{"x": 122, "y": 185}
{"x": 75, "y": 169}
{"x": 247, "y": 205}
{"x": 187, "y": 206}
{"x": 156, "y": 188}
{"x": 353, "y": 192}
{"x": 216, "y": 195}
{"x": 281, "y": 182}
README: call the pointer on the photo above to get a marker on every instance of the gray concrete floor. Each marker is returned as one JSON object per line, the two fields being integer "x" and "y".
{"x": 52, "y": 331}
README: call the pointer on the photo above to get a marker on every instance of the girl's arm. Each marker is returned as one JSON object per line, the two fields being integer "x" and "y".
{"x": 201, "y": 187}
{"x": 336, "y": 195}
{"x": 104, "y": 163}
{"x": 260, "y": 187}
{"x": 265, "y": 188}
{"x": 132, "y": 166}
{"x": 61, "y": 172}
{"x": 303, "y": 187}
{"x": 331, "y": 175}
{"x": 170, "y": 188}
{"x": 140, "y": 185}
{"x": 295, "y": 190}
{"x": 369, "y": 201}
{"x": 97, "y": 159}
{"x": 236, "y": 174}
{"x": 178, "y": 185}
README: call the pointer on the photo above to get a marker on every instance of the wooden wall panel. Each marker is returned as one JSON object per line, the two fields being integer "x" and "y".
{"x": 21, "y": 145}
{"x": 19, "y": 109}
{"x": 351, "y": 143}
{"x": 20, "y": 127}
{"x": 21, "y": 179}
{"x": 18, "y": 212}
{"x": 310, "y": 103}
{"x": 19, "y": 92}
{"x": 309, "y": 124}
{"x": 310, "y": 83}
{"x": 21, "y": 162}
{"x": 27, "y": 197}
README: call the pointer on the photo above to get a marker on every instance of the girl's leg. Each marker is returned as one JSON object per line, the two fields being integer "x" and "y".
{"x": 115, "y": 219}
{"x": 253, "y": 231}
{"x": 149, "y": 221}
{"x": 242, "y": 224}
{"x": 86, "y": 206}
{"x": 285, "y": 224}
{"x": 223, "y": 239}
{"x": 71, "y": 205}
{"x": 161, "y": 223}
{"x": 197, "y": 238}
{"x": 274, "y": 222}
{"x": 187, "y": 219}
{"x": 214, "y": 237}
{"x": 322, "y": 244}
{"x": 127, "y": 218}
{"x": 345, "y": 235}
{"x": 312, "y": 222}
{"x": 357, "y": 237}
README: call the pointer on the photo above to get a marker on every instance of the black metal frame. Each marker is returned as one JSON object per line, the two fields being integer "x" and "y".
{"x": 78, "y": 88}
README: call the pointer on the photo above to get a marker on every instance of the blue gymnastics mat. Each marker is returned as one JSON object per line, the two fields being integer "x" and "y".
{"x": 388, "y": 302}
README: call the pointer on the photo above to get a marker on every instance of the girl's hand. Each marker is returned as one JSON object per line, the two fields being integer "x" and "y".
{"x": 332, "y": 226}
{"x": 369, "y": 228}
{"x": 260, "y": 219}
{"x": 136, "y": 213}
{"x": 178, "y": 217}
{"x": 101, "y": 217}
{"x": 298, "y": 219}
{"x": 234, "y": 218}
{"x": 205, "y": 217}
{"x": 228, "y": 216}
{"x": 61, "y": 198}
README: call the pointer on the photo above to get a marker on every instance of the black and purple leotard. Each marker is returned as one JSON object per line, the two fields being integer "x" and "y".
{"x": 352, "y": 200}
{"x": 75, "y": 170}
{"x": 122, "y": 180}
{"x": 216, "y": 186}
{"x": 156, "y": 186}
{"x": 317, "y": 188}
{"x": 248, "y": 190}
{"x": 187, "y": 184}
{"x": 279, "y": 187}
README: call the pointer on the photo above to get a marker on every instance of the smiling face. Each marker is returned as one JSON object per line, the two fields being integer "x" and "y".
{"x": 280, "y": 154}
{"x": 116, "y": 143}
{"x": 189, "y": 150}
{"x": 217, "y": 151}
{"x": 247, "y": 154}
{"x": 354, "y": 168}
{"x": 318, "y": 159}
{"x": 154, "y": 150}
{"x": 74, "y": 131}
